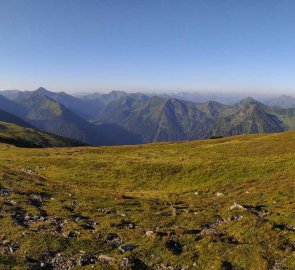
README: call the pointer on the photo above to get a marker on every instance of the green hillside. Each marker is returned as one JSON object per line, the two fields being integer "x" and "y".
{"x": 217, "y": 204}
{"x": 51, "y": 116}
{"x": 167, "y": 119}
{"x": 28, "y": 137}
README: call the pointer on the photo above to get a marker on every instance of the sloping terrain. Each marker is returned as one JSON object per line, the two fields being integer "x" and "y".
{"x": 217, "y": 204}
{"x": 25, "y": 136}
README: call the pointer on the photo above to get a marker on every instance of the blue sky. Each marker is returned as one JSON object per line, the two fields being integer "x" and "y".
{"x": 157, "y": 45}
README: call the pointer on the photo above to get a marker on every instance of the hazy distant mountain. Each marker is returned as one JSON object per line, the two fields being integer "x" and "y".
{"x": 10, "y": 94}
{"x": 282, "y": 102}
{"x": 114, "y": 95}
{"x": 200, "y": 97}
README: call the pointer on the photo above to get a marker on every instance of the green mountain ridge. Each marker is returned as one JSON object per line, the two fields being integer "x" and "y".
{"x": 166, "y": 119}
{"x": 23, "y": 136}
{"x": 51, "y": 116}
{"x": 122, "y": 118}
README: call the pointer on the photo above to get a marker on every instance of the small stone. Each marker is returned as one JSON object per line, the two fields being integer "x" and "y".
{"x": 131, "y": 225}
{"x": 12, "y": 202}
{"x": 126, "y": 248}
{"x": 150, "y": 233}
{"x": 106, "y": 259}
{"x": 86, "y": 260}
{"x": 174, "y": 211}
{"x": 236, "y": 206}
{"x": 219, "y": 194}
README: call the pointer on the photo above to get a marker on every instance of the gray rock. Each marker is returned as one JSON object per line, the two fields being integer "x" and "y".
{"x": 107, "y": 259}
{"x": 126, "y": 248}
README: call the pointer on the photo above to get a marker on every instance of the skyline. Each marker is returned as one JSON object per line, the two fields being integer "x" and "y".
{"x": 204, "y": 95}
{"x": 96, "y": 46}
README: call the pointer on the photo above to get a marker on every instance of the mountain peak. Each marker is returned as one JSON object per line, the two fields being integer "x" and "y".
{"x": 247, "y": 101}
{"x": 42, "y": 90}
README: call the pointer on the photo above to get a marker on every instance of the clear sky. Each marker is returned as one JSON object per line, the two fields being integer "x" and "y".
{"x": 158, "y": 45}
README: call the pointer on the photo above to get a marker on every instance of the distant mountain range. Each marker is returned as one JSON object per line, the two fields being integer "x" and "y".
{"x": 123, "y": 118}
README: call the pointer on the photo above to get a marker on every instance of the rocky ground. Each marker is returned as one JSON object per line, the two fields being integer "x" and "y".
{"x": 49, "y": 223}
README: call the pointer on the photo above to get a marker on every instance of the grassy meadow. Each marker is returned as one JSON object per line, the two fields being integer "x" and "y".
{"x": 226, "y": 203}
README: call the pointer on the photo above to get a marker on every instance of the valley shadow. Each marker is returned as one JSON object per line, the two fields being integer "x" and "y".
{"x": 117, "y": 135}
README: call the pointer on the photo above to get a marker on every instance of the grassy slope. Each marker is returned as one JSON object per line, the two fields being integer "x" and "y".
{"x": 28, "y": 137}
{"x": 142, "y": 182}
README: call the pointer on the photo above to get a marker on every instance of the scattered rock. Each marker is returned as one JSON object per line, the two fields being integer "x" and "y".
{"x": 36, "y": 200}
{"x": 227, "y": 266}
{"x": 87, "y": 259}
{"x": 8, "y": 246}
{"x": 126, "y": 225}
{"x": 258, "y": 210}
{"x": 174, "y": 211}
{"x": 236, "y": 206}
{"x": 132, "y": 263}
{"x": 150, "y": 233}
{"x": 219, "y": 194}
{"x": 104, "y": 210}
{"x": 191, "y": 231}
{"x": 126, "y": 262}
{"x": 168, "y": 266}
{"x": 71, "y": 234}
{"x": 61, "y": 262}
{"x": 28, "y": 170}
{"x": 126, "y": 248}
{"x": 107, "y": 259}
{"x": 113, "y": 239}
{"x": 286, "y": 227}
{"x": 89, "y": 225}
{"x": 174, "y": 246}
{"x": 12, "y": 202}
